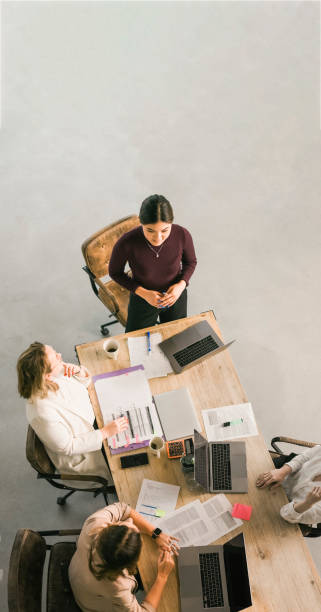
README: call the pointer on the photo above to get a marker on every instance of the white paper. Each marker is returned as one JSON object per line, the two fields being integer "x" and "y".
{"x": 215, "y": 417}
{"x": 190, "y": 524}
{"x": 156, "y": 498}
{"x": 197, "y": 524}
{"x": 128, "y": 394}
{"x": 218, "y": 510}
{"x": 155, "y": 363}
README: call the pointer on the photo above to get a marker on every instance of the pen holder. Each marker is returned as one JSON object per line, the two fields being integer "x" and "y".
{"x": 187, "y": 463}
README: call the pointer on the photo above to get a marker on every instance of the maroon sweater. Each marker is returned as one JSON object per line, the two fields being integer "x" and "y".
{"x": 176, "y": 261}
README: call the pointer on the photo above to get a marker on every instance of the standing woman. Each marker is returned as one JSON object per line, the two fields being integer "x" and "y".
{"x": 162, "y": 259}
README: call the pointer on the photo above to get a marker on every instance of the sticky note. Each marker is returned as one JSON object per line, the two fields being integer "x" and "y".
{"x": 242, "y": 512}
{"x": 159, "y": 512}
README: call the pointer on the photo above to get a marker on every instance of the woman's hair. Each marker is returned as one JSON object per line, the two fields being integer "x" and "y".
{"x": 156, "y": 208}
{"x": 118, "y": 547}
{"x": 32, "y": 366}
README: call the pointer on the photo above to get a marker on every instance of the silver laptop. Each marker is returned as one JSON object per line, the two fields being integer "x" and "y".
{"x": 192, "y": 345}
{"x": 214, "y": 577}
{"x": 220, "y": 467}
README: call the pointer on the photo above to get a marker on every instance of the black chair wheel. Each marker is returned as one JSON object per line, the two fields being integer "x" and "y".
{"x": 61, "y": 501}
{"x": 104, "y": 331}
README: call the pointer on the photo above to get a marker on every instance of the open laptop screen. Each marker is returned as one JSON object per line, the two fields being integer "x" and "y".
{"x": 201, "y": 471}
{"x": 237, "y": 578}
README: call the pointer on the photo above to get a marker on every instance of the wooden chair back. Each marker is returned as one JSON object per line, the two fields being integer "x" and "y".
{"x": 97, "y": 249}
{"x": 37, "y": 455}
{"x": 25, "y": 572}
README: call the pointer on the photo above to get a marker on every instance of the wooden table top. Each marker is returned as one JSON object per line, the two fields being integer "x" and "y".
{"x": 282, "y": 574}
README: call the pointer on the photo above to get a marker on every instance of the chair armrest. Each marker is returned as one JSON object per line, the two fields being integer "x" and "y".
{"x": 109, "y": 293}
{"x": 60, "y": 532}
{"x": 289, "y": 441}
{"x": 79, "y": 477}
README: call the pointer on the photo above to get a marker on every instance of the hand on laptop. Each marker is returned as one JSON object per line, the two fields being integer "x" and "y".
{"x": 273, "y": 478}
{"x": 168, "y": 543}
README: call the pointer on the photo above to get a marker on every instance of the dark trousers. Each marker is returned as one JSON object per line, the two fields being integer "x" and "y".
{"x": 141, "y": 314}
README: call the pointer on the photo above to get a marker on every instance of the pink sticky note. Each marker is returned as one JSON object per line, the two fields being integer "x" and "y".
{"x": 241, "y": 511}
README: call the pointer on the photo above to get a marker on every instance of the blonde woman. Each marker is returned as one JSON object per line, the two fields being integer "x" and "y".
{"x": 60, "y": 412}
{"x": 102, "y": 569}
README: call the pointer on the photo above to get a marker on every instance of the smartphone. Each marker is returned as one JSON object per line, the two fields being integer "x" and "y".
{"x": 134, "y": 460}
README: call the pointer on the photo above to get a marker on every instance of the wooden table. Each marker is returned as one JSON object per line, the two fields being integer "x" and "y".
{"x": 282, "y": 574}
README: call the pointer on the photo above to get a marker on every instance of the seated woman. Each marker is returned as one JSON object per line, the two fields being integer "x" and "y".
{"x": 60, "y": 412}
{"x": 301, "y": 479}
{"x": 101, "y": 570}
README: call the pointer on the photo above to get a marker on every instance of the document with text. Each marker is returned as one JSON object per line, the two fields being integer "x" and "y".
{"x": 154, "y": 361}
{"x": 229, "y": 422}
{"x": 156, "y": 499}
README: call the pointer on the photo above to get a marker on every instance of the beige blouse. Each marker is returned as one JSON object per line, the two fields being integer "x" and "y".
{"x": 103, "y": 595}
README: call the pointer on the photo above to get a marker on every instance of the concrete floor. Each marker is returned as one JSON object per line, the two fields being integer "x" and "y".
{"x": 243, "y": 176}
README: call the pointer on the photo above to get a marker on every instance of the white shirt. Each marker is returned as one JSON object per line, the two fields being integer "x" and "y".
{"x": 64, "y": 423}
{"x": 299, "y": 483}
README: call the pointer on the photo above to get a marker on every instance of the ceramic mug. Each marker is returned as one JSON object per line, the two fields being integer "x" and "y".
{"x": 111, "y": 348}
{"x": 156, "y": 445}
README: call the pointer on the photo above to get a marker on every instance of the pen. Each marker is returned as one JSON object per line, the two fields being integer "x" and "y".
{"x": 149, "y": 348}
{"x": 235, "y": 422}
{"x": 146, "y": 506}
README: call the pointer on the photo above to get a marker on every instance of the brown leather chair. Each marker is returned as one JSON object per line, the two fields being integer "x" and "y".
{"x": 97, "y": 251}
{"x": 25, "y": 576}
{"x": 307, "y": 530}
{"x": 40, "y": 461}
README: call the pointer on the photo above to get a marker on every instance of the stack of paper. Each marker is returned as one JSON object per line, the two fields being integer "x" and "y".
{"x": 229, "y": 422}
{"x": 156, "y": 499}
{"x": 127, "y": 393}
{"x": 155, "y": 363}
{"x": 199, "y": 524}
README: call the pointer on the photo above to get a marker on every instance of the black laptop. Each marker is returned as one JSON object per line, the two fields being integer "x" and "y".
{"x": 214, "y": 577}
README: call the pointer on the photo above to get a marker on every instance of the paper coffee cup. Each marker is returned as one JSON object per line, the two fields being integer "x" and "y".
{"x": 111, "y": 348}
{"x": 156, "y": 444}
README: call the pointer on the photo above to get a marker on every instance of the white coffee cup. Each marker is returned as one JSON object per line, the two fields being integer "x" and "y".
{"x": 111, "y": 348}
{"x": 156, "y": 444}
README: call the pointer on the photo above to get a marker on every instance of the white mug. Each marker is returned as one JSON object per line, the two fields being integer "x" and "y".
{"x": 111, "y": 348}
{"x": 156, "y": 444}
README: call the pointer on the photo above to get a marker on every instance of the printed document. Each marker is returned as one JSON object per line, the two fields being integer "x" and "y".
{"x": 229, "y": 422}
{"x": 155, "y": 363}
{"x": 156, "y": 499}
{"x": 127, "y": 393}
{"x": 199, "y": 524}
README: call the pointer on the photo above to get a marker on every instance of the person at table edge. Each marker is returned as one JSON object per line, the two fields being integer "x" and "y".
{"x": 161, "y": 258}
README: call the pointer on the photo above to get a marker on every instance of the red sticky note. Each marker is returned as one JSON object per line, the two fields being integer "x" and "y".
{"x": 241, "y": 511}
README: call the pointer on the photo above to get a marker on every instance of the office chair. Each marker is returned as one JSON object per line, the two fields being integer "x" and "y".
{"x": 40, "y": 461}
{"x": 307, "y": 530}
{"x": 97, "y": 251}
{"x": 25, "y": 576}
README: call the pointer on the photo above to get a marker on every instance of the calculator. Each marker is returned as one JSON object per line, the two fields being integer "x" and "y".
{"x": 179, "y": 448}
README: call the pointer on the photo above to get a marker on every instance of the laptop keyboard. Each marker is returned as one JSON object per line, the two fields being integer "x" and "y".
{"x": 195, "y": 351}
{"x": 221, "y": 464}
{"x": 211, "y": 580}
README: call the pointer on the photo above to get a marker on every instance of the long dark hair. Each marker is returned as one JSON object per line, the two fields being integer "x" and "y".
{"x": 156, "y": 208}
{"x": 32, "y": 365}
{"x": 118, "y": 547}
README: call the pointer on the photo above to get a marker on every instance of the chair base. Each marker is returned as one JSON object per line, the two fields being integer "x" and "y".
{"x": 104, "y": 328}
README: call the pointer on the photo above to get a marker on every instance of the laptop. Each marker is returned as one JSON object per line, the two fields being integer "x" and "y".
{"x": 192, "y": 345}
{"x": 220, "y": 467}
{"x": 214, "y": 577}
